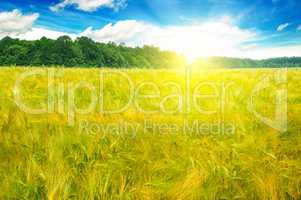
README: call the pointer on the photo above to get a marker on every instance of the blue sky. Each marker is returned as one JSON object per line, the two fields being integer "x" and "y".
{"x": 237, "y": 28}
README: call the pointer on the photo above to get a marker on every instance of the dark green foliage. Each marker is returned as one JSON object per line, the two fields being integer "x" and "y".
{"x": 83, "y": 52}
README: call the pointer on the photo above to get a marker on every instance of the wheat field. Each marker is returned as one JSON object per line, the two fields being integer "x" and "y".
{"x": 156, "y": 148}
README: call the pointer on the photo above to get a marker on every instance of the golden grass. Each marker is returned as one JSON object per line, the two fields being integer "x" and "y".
{"x": 41, "y": 157}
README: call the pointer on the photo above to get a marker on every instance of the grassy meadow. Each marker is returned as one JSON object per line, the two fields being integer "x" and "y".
{"x": 202, "y": 142}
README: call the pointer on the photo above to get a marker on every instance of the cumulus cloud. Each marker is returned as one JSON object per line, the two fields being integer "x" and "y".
{"x": 128, "y": 31}
{"x": 281, "y": 27}
{"x": 15, "y": 23}
{"x": 210, "y": 38}
{"x": 213, "y": 38}
{"x": 38, "y": 33}
{"x": 90, "y": 5}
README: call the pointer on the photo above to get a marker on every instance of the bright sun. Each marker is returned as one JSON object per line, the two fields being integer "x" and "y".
{"x": 191, "y": 57}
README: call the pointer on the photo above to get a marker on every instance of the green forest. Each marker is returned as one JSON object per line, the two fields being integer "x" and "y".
{"x": 84, "y": 52}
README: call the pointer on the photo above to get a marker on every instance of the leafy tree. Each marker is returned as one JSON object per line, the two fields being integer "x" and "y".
{"x": 92, "y": 55}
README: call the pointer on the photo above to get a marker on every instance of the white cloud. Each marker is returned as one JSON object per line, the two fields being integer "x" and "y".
{"x": 212, "y": 38}
{"x": 299, "y": 28}
{"x": 123, "y": 31}
{"x": 281, "y": 27}
{"x": 204, "y": 39}
{"x": 38, "y": 33}
{"x": 15, "y": 23}
{"x": 90, "y": 5}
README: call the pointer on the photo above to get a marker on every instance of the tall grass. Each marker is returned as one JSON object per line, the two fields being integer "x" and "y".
{"x": 42, "y": 157}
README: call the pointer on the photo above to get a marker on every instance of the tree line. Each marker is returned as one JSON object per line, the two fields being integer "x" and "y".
{"x": 84, "y": 52}
{"x": 226, "y": 62}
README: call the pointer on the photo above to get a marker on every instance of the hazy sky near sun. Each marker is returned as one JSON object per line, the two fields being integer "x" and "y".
{"x": 236, "y": 28}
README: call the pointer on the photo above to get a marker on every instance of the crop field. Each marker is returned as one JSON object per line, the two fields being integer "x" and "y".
{"x": 150, "y": 134}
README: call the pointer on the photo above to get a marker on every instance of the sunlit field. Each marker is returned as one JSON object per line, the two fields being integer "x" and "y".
{"x": 150, "y": 134}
